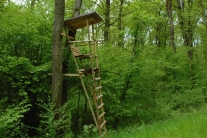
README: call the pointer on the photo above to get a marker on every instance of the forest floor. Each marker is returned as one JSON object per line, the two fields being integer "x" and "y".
{"x": 191, "y": 125}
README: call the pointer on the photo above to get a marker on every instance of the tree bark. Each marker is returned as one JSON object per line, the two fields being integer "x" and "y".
{"x": 160, "y": 29}
{"x": 77, "y": 7}
{"x": 134, "y": 53}
{"x": 171, "y": 26}
{"x": 204, "y": 18}
{"x": 120, "y": 35}
{"x": 57, "y": 54}
{"x": 107, "y": 21}
{"x": 188, "y": 21}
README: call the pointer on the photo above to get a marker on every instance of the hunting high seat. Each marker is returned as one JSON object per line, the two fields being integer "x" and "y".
{"x": 91, "y": 74}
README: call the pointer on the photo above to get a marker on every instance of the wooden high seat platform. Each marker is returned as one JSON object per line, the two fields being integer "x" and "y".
{"x": 80, "y": 21}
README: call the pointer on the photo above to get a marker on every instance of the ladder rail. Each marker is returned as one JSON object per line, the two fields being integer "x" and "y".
{"x": 88, "y": 99}
{"x": 76, "y": 64}
{"x": 98, "y": 91}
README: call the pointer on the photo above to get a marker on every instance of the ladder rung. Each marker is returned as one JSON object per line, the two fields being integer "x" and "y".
{"x": 101, "y": 115}
{"x": 87, "y": 71}
{"x": 71, "y": 75}
{"x": 100, "y": 96}
{"x": 97, "y": 79}
{"x": 104, "y": 122}
{"x": 97, "y": 88}
{"x": 82, "y": 70}
{"x": 100, "y": 105}
{"x": 100, "y": 40}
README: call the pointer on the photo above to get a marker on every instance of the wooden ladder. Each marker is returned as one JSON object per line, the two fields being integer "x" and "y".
{"x": 93, "y": 81}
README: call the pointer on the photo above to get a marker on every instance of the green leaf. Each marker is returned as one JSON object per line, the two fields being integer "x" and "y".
{"x": 94, "y": 129}
{"x": 85, "y": 127}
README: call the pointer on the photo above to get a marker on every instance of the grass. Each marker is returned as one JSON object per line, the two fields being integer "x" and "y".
{"x": 192, "y": 125}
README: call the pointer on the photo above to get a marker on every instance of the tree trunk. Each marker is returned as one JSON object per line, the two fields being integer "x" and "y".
{"x": 77, "y": 7}
{"x": 204, "y": 18}
{"x": 134, "y": 53}
{"x": 160, "y": 29}
{"x": 57, "y": 54}
{"x": 120, "y": 35}
{"x": 188, "y": 21}
{"x": 169, "y": 13}
{"x": 107, "y": 21}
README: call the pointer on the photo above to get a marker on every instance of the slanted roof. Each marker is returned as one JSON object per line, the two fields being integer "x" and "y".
{"x": 80, "y": 21}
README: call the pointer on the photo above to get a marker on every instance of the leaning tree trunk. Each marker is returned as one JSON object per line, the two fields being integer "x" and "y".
{"x": 57, "y": 55}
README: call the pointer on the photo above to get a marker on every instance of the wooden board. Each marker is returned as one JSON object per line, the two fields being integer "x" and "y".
{"x": 70, "y": 75}
{"x": 80, "y": 21}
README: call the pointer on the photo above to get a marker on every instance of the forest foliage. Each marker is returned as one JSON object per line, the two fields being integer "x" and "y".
{"x": 153, "y": 65}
